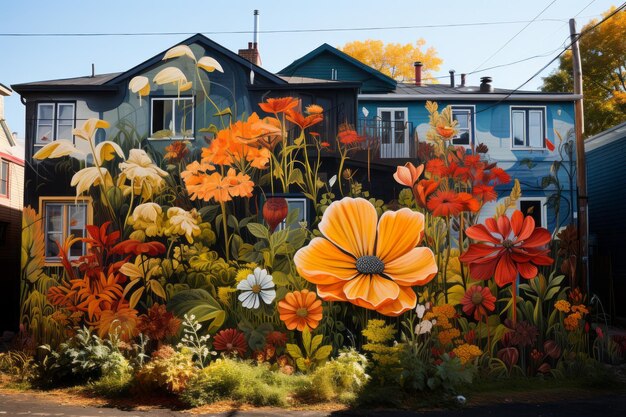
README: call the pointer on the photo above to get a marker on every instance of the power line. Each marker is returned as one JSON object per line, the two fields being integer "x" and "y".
{"x": 578, "y": 37}
{"x": 514, "y": 36}
{"x": 274, "y": 31}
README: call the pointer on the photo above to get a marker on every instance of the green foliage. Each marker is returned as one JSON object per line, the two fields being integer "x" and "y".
{"x": 385, "y": 354}
{"x": 168, "y": 371}
{"x": 341, "y": 379}
{"x": 85, "y": 357}
{"x": 193, "y": 342}
{"x": 445, "y": 375}
{"x": 227, "y": 379}
{"x": 19, "y": 366}
{"x": 314, "y": 353}
{"x": 201, "y": 305}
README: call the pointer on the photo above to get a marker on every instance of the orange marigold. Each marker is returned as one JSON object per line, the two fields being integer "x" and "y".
{"x": 300, "y": 309}
{"x": 563, "y": 306}
{"x": 571, "y": 321}
{"x": 447, "y": 336}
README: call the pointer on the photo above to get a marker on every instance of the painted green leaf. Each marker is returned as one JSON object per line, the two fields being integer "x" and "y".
{"x": 199, "y": 303}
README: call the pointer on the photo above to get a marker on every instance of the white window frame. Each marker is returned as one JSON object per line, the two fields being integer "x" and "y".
{"x": 407, "y": 134}
{"x": 5, "y": 179}
{"x": 173, "y": 99}
{"x": 65, "y": 203}
{"x": 54, "y": 121}
{"x": 304, "y": 214}
{"x": 527, "y": 110}
{"x": 544, "y": 208}
{"x": 472, "y": 129}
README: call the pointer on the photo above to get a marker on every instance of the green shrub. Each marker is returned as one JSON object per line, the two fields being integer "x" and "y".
{"x": 227, "y": 379}
{"x": 340, "y": 379}
{"x": 168, "y": 371}
{"x": 19, "y": 366}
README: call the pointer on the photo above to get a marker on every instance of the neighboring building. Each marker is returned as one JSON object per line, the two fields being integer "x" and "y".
{"x": 518, "y": 127}
{"x": 606, "y": 180}
{"x": 11, "y": 198}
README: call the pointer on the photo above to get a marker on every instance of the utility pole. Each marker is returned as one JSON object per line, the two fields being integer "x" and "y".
{"x": 581, "y": 168}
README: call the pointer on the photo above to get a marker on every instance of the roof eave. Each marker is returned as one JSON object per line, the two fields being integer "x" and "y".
{"x": 471, "y": 97}
{"x": 298, "y": 86}
{"x": 25, "y": 88}
{"x": 604, "y": 138}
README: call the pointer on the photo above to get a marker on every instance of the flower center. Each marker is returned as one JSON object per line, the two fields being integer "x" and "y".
{"x": 370, "y": 265}
{"x": 229, "y": 346}
{"x": 256, "y": 288}
{"x": 477, "y": 298}
{"x": 302, "y": 312}
{"x": 508, "y": 243}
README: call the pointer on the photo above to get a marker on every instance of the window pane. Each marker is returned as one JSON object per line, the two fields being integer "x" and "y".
{"x": 518, "y": 129}
{"x": 162, "y": 115}
{"x": 54, "y": 218}
{"x": 46, "y": 112}
{"x": 45, "y": 123}
{"x": 52, "y": 249}
{"x": 4, "y": 178}
{"x": 184, "y": 118}
{"x": 399, "y": 115}
{"x": 535, "y": 128}
{"x": 532, "y": 208}
{"x": 385, "y": 126}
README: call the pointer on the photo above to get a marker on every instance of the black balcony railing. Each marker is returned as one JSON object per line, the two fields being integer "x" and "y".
{"x": 388, "y": 139}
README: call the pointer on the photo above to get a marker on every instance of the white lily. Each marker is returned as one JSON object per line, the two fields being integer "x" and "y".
{"x": 106, "y": 151}
{"x": 88, "y": 177}
{"x": 56, "y": 149}
{"x": 209, "y": 64}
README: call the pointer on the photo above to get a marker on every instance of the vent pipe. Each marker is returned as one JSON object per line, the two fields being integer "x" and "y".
{"x": 255, "y": 40}
{"x": 451, "y": 78}
{"x": 463, "y": 80}
{"x": 485, "y": 85}
{"x": 418, "y": 73}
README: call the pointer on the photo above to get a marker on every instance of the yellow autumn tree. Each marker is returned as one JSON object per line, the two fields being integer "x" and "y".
{"x": 395, "y": 59}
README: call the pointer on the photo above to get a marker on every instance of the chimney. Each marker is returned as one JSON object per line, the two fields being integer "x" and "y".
{"x": 463, "y": 80}
{"x": 418, "y": 73}
{"x": 485, "y": 85}
{"x": 252, "y": 53}
{"x": 451, "y": 78}
{"x": 93, "y": 70}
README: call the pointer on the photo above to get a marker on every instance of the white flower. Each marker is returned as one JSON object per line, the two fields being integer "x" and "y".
{"x": 420, "y": 310}
{"x": 256, "y": 287}
{"x": 423, "y": 327}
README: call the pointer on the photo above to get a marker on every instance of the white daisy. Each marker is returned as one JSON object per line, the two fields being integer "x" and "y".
{"x": 256, "y": 287}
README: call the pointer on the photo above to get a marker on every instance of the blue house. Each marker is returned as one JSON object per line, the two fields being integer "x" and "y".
{"x": 528, "y": 133}
{"x": 606, "y": 180}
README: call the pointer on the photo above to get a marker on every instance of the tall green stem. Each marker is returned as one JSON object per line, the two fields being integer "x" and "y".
{"x": 225, "y": 228}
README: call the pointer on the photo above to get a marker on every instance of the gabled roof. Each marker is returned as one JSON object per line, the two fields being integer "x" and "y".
{"x": 111, "y": 81}
{"x": 326, "y": 48}
{"x": 604, "y": 138}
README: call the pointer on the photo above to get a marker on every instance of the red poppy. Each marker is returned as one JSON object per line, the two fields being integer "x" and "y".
{"x": 450, "y": 203}
{"x": 509, "y": 248}
{"x": 473, "y": 162}
{"x": 349, "y": 136}
{"x": 279, "y": 105}
{"x": 484, "y": 193}
{"x": 478, "y": 301}
{"x": 549, "y": 145}
{"x": 230, "y": 341}
{"x": 325, "y": 145}
{"x": 500, "y": 175}
{"x": 457, "y": 172}
{"x": 436, "y": 167}
{"x": 137, "y": 247}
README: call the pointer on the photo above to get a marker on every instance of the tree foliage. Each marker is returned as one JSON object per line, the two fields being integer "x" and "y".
{"x": 603, "y": 58}
{"x": 395, "y": 59}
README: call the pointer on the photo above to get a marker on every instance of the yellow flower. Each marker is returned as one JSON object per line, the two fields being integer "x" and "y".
{"x": 179, "y": 50}
{"x": 243, "y": 274}
{"x": 140, "y": 85}
{"x": 172, "y": 75}
{"x": 145, "y": 177}
{"x": 184, "y": 223}
{"x": 467, "y": 353}
{"x": 106, "y": 151}
{"x": 209, "y": 64}
{"x": 223, "y": 294}
{"x": 147, "y": 220}
{"x": 88, "y": 177}
{"x": 89, "y": 128}
{"x": 56, "y": 149}
{"x": 563, "y": 306}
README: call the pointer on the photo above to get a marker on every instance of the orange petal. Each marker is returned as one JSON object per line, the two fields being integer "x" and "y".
{"x": 398, "y": 233}
{"x": 417, "y": 267}
{"x": 321, "y": 262}
{"x": 332, "y": 292}
{"x": 406, "y": 301}
{"x": 350, "y": 223}
{"x": 373, "y": 289}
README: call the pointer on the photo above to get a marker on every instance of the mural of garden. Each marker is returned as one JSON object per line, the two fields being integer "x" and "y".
{"x": 200, "y": 282}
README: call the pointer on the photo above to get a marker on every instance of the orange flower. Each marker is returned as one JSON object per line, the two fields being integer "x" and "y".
{"x": 450, "y": 203}
{"x": 349, "y": 137}
{"x": 299, "y": 119}
{"x": 325, "y": 145}
{"x": 279, "y": 105}
{"x": 314, "y": 109}
{"x": 408, "y": 174}
{"x": 423, "y": 189}
{"x": 121, "y": 321}
{"x": 300, "y": 309}
{"x": 176, "y": 151}
{"x": 271, "y": 140}
{"x": 436, "y": 167}
{"x": 369, "y": 263}
{"x": 484, "y": 193}
{"x": 239, "y": 184}
{"x": 221, "y": 189}
{"x": 445, "y": 132}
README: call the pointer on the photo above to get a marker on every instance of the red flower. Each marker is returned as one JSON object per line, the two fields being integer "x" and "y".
{"x": 325, "y": 145}
{"x": 279, "y": 105}
{"x": 457, "y": 172}
{"x": 275, "y": 211}
{"x": 549, "y": 145}
{"x": 349, "y": 136}
{"x": 478, "y": 301}
{"x": 450, "y": 203}
{"x": 137, "y": 247}
{"x": 230, "y": 341}
{"x": 436, "y": 167}
{"x": 510, "y": 247}
{"x": 484, "y": 193}
{"x": 500, "y": 176}
{"x": 276, "y": 338}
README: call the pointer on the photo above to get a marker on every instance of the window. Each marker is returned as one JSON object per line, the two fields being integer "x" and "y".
{"x": 296, "y": 203}
{"x": 465, "y": 118}
{"x": 4, "y": 178}
{"x": 528, "y": 127}
{"x": 172, "y": 118}
{"x": 63, "y": 218}
{"x": 535, "y": 207}
{"x": 54, "y": 121}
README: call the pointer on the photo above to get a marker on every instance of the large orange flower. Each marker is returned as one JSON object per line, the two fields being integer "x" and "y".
{"x": 279, "y": 105}
{"x": 369, "y": 263}
{"x": 300, "y": 309}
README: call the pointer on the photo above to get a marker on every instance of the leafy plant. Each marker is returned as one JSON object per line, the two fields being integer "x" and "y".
{"x": 195, "y": 343}
{"x": 314, "y": 353}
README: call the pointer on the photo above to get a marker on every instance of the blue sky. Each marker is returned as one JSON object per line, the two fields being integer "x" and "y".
{"x": 26, "y": 59}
